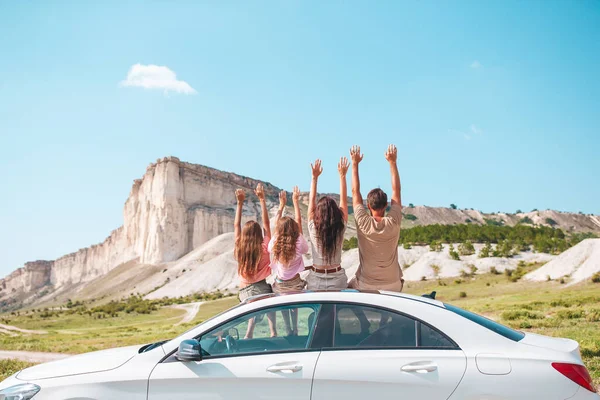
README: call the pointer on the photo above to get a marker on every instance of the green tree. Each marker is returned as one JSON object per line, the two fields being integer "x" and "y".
{"x": 485, "y": 250}
{"x": 551, "y": 222}
{"x": 410, "y": 217}
{"x": 453, "y": 206}
{"x": 411, "y": 205}
{"x": 466, "y": 248}
{"x": 435, "y": 246}
{"x": 453, "y": 253}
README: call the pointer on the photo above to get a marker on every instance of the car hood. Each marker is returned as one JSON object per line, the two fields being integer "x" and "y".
{"x": 86, "y": 363}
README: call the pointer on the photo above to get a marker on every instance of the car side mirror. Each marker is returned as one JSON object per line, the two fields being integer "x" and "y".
{"x": 189, "y": 350}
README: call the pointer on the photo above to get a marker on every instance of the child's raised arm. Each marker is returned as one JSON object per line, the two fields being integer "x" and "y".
{"x": 260, "y": 193}
{"x": 312, "y": 198}
{"x": 296, "y": 201}
{"x": 282, "y": 202}
{"x": 237, "y": 224}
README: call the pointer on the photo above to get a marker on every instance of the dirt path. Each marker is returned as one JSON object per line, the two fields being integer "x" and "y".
{"x": 191, "y": 311}
{"x": 32, "y": 356}
{"x": 15, "y": 329}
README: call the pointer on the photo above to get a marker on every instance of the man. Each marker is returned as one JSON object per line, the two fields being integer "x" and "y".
{"x": 377, "y": 233}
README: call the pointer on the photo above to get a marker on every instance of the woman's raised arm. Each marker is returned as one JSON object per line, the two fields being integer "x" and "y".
{"x": 343, "y": 166}
{"x": 317, "y": 169}
{"x": 260, "y": 193}
{"x": 237, "y": 224}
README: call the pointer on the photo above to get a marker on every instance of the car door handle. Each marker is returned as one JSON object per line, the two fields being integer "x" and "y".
{"x": 286, "y": 369}
{"x": 420, "y": 367}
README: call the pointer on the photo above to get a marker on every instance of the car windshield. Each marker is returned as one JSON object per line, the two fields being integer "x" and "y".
{"x": 487, "y": 323}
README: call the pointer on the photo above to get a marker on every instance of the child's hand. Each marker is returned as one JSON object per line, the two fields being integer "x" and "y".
{"x": 282, "y": 199}
{"x": 260, "y": 191}
{"x": 317, "y": 169}
{"x": 391, "y": 153}
{"x": 355, "y": 154}
{"x": 296, "y": 194}
{"x": 343, "y": 166}
{"x": 240, "y": 195}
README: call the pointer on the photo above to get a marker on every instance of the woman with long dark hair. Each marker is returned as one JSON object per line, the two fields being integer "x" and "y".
{"x": 326, "y": 226}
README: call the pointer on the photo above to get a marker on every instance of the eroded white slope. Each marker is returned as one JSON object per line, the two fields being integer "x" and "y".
{"x": 579, "y": 263}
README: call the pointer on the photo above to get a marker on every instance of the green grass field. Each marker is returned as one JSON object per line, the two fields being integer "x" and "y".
{"x": 548, "y": 308}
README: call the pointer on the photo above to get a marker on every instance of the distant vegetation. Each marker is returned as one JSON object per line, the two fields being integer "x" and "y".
{"x": 453, "y": 206}
{"x": 526, "y": 220}
{"x": 410, "y": 217}
{"x": 509, "y": 240}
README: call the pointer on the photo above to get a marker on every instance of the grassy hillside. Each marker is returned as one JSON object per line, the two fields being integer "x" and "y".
{"x": 547, "y": 308}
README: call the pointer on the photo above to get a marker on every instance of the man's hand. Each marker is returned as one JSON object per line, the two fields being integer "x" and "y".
{"x": 343, "y": 166}
{"x": 355, "y": 154}
{"x": 260, "y": 191}
{"x": 296, "y": 195}
{"x": 240, "y": 195}
{"x": 282, "y": 199}
{"x": 317, "y": 169}
{"x": 391, "y": 153}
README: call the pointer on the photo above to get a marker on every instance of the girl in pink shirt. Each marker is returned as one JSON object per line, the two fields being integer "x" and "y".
{"x": 287, "y": 247}
{"x": 251, "y": 253}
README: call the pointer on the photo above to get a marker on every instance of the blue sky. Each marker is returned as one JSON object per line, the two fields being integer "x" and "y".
{"x": 493, "y": 105}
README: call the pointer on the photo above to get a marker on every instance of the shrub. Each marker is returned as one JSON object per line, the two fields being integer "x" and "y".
{"x": 551, "y": 222}
{"x": 436, "y": 246}
{"x": 511, "y": 315}
{"x": 494, "y": 271}
{"x": 453, "y": 253}
{"x": 468, "y": 221}
{"x": 593, "y": 315}
{"x": 411, "y": 205}
{"x": 423, "y": 278}
{"x": 351, "y": 243}
{"x": 526, "y": 220}
{"x": 458, "y": 281}
{"x": 525, "y": 325}
{"x": 466, "y": 248}
{"x": 569, "y": 314}
{"x": 410, "y": 217}
{"x": 462, "y": 295}
{"x": 407, "y": 246}
{"x": 596, "y": 277}
{"x": 485, "y": 250}
{"x": 493, "y": 222}
{"x": 436, "y": 269}
{"x": 562, "y": 281}
{"x": 453, "y": 206}
{"x": 519, "y": 212}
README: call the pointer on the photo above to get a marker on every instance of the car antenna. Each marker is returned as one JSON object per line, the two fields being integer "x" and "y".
{"x": 430, "y": 295}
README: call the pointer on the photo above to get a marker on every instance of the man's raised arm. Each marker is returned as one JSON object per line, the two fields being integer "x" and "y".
{"x": 356, "y": 158}
{"x": 392, "y": 155}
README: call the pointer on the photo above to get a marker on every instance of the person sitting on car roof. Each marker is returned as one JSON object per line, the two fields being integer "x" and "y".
{"x": 377, "y": 233}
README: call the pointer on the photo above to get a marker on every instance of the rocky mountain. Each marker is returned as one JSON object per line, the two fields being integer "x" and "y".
{"x": 177, "y": 207}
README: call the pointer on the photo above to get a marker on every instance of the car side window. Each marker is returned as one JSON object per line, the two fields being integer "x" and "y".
{"x": 431, "y": 337}
{"x": 369, "y": 327}
{"x": 268, "y": 330}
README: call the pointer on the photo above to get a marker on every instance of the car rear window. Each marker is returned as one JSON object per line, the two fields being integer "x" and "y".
{"x": 487, "y": 323}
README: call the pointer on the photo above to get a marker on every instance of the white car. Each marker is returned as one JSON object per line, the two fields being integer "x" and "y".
{"x": 348, "y": 345}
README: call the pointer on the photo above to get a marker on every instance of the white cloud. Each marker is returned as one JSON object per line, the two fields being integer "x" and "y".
{"x": 476, "y": 64}
{"x": 155, "y": 77}
{"x": 476, "y": 130}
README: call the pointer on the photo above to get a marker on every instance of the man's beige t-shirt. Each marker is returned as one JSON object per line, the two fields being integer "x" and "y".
{"x": 378, "y": 249}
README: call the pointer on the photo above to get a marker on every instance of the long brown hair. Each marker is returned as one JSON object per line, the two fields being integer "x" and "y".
{"x": 248, "y": 249}
{"x": 329, "y": 224}
{"x": 287, "y": 233}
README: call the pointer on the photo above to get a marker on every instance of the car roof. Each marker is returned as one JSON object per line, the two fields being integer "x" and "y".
{"x": 347, "y": 295}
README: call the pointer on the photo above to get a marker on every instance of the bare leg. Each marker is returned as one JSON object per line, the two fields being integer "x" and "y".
{"x": 250, "y": 330}
{"x": 272, "y": 317}
{"x": 286, "y": 320}
{"x": 294, "y": 314}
